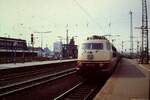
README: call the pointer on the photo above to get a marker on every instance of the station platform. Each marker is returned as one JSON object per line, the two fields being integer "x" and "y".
{"x": 35, "y": 63}
{"x": 130, "y": 81}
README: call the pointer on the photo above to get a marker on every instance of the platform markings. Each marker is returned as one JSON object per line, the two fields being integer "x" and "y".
{"x": 144, "y": 67}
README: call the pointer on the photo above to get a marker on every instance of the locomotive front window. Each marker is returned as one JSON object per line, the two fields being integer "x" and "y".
{"x": 87, "y": 46}
{"x": 92, "y": 46}
{"x": 97, "y": 46}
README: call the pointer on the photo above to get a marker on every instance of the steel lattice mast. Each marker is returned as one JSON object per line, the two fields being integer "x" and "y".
{"x": 131, "y": 34}
{"x": 145, "y": 45}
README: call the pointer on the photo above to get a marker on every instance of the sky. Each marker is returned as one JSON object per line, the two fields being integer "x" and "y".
{"x": 82, "y": 18}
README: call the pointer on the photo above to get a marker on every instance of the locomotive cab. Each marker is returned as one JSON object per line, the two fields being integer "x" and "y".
{"x": 95, "y": 54}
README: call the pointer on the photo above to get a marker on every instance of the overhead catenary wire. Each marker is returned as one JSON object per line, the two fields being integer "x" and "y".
{"x": 88, "y": 15}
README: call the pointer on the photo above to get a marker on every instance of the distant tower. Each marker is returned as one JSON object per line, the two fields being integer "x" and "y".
{"x": 67, "y": 34}
{"x": 131, "y": 34}
{"x": 67, "y": 37}
{"x": 144, "y": 27}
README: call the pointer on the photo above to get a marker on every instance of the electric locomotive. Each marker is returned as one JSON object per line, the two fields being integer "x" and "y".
{"x": 95, "y": 55}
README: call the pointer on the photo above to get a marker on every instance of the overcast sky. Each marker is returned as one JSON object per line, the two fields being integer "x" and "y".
{"x": 20, "y": 18}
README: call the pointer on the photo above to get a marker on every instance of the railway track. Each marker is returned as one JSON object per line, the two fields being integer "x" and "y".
{"x": 22, "y": 74}
{"x": 28, "y": 72}
{"x": 21, "y": 86}
{"x": 83, "y": 91}
{"x": 11, "y": 76}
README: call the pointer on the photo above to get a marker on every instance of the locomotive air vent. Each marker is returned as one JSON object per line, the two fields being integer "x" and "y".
{"x": 90, "y": 57}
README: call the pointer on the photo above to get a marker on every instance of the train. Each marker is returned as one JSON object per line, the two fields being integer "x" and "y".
{"x": 96, "y": 55}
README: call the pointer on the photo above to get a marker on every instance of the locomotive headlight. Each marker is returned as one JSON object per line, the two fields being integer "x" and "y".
{"x": 79, "y": 63}
{"x": 77, "y": 68}
{"x": 101, "y": 65}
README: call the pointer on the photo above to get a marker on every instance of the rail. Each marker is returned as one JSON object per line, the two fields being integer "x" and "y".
{"x": 20, "y": 86}
{"x": 82, "y": 91}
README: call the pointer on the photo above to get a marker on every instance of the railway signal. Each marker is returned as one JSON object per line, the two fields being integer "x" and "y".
{"x": 32, "y": 39}
{"x": 32, "y": 43}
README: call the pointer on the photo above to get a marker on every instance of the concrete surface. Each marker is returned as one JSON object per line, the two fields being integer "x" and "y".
{"x": 130, "y": 81}
{"x": 14, "y": 65}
